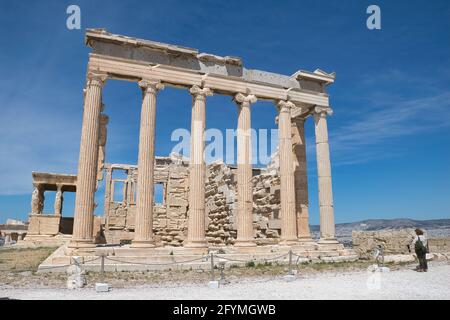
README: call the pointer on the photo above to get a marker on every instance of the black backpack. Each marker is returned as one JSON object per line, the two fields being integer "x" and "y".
{"x": 419, "y": 247}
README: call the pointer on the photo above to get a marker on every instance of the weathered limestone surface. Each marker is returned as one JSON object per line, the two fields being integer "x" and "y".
{"x": 392, "y": 241}
{"x": 221, "y": 203}
{"x": 439, "y": 245}
{"x": 144, "y": 201}
{"x": 327, "y": 227}
{"x": 245, "y": 236}
{"x": 196, "y": 223}
{"x": 301, "y": 179}
{"x": 88, "y": 163}
{"x": 287, "y": 192}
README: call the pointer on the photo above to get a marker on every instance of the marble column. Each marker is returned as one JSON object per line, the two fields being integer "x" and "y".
{"x": 287, "y": 187}
{"x": 58, "y": 200}
{"x": 244, "y": 221}
{"x": 196, "y": 222}
{"x": 87, "y": 163}
{"x": 300, "y": 179}
{"x": 327, "y": 227}
{"x": 143, "y": 230}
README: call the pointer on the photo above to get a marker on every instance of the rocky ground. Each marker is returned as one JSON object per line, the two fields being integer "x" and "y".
{"x": 401, "y": 283}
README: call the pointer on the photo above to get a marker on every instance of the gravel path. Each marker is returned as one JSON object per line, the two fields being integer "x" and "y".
{"x": 401, "y": 284}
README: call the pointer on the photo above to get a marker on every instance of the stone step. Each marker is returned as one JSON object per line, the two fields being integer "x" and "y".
{"x": 154, "y": 257}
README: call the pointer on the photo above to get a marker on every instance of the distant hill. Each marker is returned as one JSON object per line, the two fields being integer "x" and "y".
{"x": 380, "y": 224}
{"x": 434, "y": 228}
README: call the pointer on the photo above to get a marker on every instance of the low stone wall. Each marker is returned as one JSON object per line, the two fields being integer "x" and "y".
{"x": 439, "y": 245}
{"x": 392, "y": 242}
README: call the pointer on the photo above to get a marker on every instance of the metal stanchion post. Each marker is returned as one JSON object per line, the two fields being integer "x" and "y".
{"x": 290, "y": 261}
{"x": 102, "y": 286}
{"x": 290, "y": 276}
{"x": 213, "y": 284}
{"x": 212, "y": 266}
{"x": 102, "y": 269}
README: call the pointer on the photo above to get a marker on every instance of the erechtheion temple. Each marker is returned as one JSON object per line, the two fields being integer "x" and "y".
{"x": 242, "y": 211}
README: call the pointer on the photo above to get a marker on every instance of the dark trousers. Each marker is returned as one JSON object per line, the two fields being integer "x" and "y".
{"x": 422, "y": 260}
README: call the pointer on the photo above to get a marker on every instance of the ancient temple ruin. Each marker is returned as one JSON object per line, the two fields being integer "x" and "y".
{"x": 204, "y": 206}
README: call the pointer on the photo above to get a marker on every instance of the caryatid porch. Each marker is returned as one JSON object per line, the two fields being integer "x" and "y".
{"x": 154, "y": 65}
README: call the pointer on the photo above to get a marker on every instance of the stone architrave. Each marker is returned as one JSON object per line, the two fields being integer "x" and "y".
{"x": 287, "y": 186}
{"x": 196, "y": 222}
{"x": 244, "y": 171}
{"x": 301, "y": 179}
{"x": 87, "y": 164}
{"x": 143, "y": 234}
{"x": 327, "y": 227}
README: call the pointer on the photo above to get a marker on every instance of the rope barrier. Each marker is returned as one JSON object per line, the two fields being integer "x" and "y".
{"x": 275, "y": 258}
{"x": 203, "y": 258}
{"x": 154, "y": 264}
{"x": 84, "y": 262}
{"x": 239, "y": 260}
{"x": 229, "y": 259}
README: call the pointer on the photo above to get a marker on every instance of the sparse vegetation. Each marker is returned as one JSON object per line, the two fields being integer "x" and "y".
{"x": 23, "y": 259}
{"x": 18, "y": 266}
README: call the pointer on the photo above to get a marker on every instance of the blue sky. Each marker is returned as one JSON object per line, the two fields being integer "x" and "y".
{"x": 389, "y": 135}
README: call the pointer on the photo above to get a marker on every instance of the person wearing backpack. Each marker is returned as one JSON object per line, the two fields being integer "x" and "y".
{"x": 420, "y": 245}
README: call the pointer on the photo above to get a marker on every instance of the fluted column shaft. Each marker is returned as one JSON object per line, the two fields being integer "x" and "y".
{"x": 196, "y": 222}
{"x": 244, "y": 171}
{"x": 143, "y": 230}
{"x": 287, "y": 192}
{"x": 87, "y": 163}
{"x": 327, "y": 227}
{"x": 301, "y": 179}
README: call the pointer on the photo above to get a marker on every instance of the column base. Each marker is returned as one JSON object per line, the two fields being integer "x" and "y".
{"x": 143, "y": 244}
{"x": 306, "y": 240}
{"x": 81, "y": 243}
{"x": 196, "y": 244}
{"x": 245, "y": 243}
{"x": 328, "y": 241}
{"x": 288, "y": 242}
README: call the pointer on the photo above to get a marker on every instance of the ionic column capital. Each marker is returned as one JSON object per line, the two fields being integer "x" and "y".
{"x": 96, "y": 79}
{"x": 150, "y": 86}
{"x": 245, "y": 100}
{"x": 200, "y": 93}
{"x": 285, "y": 106}
{"x": 321, "y": 111}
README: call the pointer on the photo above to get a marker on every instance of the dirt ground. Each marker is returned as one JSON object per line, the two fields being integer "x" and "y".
{"x": 18, "y": 270}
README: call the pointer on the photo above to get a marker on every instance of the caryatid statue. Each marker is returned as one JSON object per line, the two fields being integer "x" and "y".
{"x": 37, "y": 200}
{"x": 58, "y": 201}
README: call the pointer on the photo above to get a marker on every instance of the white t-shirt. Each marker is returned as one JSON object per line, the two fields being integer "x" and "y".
{"x": 422, "y": 238}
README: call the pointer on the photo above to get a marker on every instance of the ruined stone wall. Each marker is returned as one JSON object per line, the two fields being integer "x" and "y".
{"x": 439, "y": 245}
{"x": 170, "y": 217}
{"x": 392, "y": 241}
{"x": 220, "y": 204}
{"x": 169, "y": 220}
